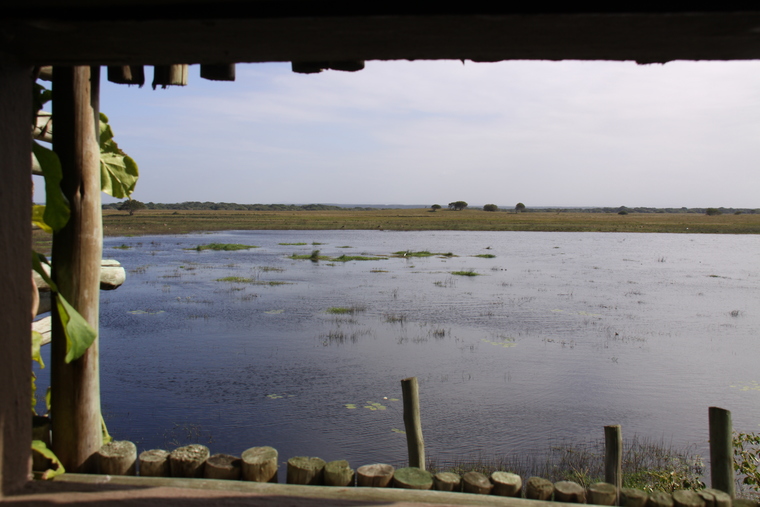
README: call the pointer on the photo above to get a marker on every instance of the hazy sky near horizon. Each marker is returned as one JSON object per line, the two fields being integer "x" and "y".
{"x": 544, "y": 133}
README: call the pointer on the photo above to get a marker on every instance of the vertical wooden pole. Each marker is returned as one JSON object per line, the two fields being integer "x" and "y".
{"x": 15, "y": 289}
{"x": 613, "y": 458}
{"x": 77, "y": 251}
{"x": 721, "y": 450}
{"x": 415, "y": 443}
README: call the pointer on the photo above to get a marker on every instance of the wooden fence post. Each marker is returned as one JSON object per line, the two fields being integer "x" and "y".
{"x": 77, "y": 252}
{"x": 721, "y": 450}
{"x": 410, "y": 390}
{"x": 613, "y": 458}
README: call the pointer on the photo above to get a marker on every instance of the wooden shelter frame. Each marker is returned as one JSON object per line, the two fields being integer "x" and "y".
{"x": 74, "y": 35}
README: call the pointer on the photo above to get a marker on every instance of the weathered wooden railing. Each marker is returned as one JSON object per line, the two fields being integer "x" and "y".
{"x": 260, "y": 464}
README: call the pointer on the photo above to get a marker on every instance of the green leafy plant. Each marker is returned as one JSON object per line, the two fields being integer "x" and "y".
{"x": 747, "y": 459}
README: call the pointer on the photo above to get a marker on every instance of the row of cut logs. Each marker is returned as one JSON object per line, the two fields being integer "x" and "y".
{"x": 260, "y": 464}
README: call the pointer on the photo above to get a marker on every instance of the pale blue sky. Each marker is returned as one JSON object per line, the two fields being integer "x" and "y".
{"x": 544, "y": 133}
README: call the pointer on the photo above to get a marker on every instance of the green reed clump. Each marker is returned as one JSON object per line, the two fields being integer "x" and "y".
{"x": 485, "y": 256}
{"x": 343, "y": 310}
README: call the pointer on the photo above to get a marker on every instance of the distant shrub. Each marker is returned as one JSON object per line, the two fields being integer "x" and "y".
{"x": 712, "y": 211}
{"x": 622, "y": 212}
{"x": 490, "y": 207}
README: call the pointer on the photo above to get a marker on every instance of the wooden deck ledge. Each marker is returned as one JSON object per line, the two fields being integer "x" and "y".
{"x": 97, "y": 490}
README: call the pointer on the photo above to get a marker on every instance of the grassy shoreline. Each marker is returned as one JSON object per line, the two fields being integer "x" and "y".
{"x": 155, "y": 222}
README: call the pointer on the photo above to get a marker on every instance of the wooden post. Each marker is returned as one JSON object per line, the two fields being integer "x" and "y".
{"x": 374, "y": 476}
{"x": 305, "y": 470}
{"x": 127, "y": 74}
{"x": 169, "y": 75}
{"x": 15, "y": 291}
{"x": 603, "y": 493}
{"x": 447, "y": 481}
{"x": 77, "y": 250}
{"x": 630, "y": 497}
{"x": 538, "y": 488}
{"x": 188, "y": 461}
{"x": 412, "y": 478}
{"x": 220, "y": 72}
{"x": 721, "y": 450}
{"x": 260, "y": 464}
{"x": 155, "y": 463}
{"x": 339, "y": 473}
{"x": 569, "y": 492}
{"x": 506, "y": 484}
{"x": 477, "y": 483}
{"x": 222, "y": 466}
{"x": 613, "y": 458}
{"x": 414, "y": 442}
{"x": 118, "y": 458}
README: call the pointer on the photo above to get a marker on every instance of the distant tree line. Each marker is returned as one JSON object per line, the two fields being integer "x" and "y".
{"x": 230, "y": 206}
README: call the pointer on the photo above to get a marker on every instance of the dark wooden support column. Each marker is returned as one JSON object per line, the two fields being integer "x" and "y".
{"x": 15, "y": 284}
{"x": 77, "y": 251}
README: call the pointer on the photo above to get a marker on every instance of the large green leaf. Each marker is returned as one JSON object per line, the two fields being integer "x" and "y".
{"x": 37, "y": 260}
{"x": 118, "y": 172}
{"x": 79, "y": 334}
{"x": 36, "y": 346}
{"x": 56, "y": 205}
{"x": 40, "y": 447}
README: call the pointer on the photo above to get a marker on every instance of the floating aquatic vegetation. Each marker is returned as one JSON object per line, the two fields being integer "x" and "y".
{"x": 485, "y": 256}
{"x": 292, "y": 244}
{"x": 275, "y": 312}
{"x": 752, "y": 386}
{"x": 469, "y": 272}
{"x": 505, "y": 342}
{"x": 145, "y": 312}
{"x": 396, "y": 430}
{"x": 279, "y": 396}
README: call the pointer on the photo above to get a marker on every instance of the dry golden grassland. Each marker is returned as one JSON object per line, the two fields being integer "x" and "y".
{"x": 148, "y": 222}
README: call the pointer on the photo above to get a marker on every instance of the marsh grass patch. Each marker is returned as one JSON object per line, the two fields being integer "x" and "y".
{"x": 345, "y": 310}
{"x": 468, "y": 272}
{"x": 225, "y": 247}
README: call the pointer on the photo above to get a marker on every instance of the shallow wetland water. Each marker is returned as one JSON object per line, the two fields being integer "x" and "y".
{"x": 557, "y": 336}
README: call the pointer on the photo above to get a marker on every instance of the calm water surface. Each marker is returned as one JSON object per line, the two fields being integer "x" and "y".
{"x": 561, "y": 334}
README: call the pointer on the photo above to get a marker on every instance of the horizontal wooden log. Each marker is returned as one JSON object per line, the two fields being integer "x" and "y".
{"x": 218, "y": 72}
{"x": 412, "y": 478}
{"x": 659, "y": 499}
{"x": 602, "y": 493}
{"x": 374, "y": 476}
{"x": 477, "y": 483}
{"x": 506, "y": 484}
{"x": 338, "y": 473}
{"x": 305, "y": 470}
{"x": 118, "y": 457}
{"x": 447, "y": 481}
{"x": 630, "y": 497}
{"x": 155, "y": 463}
{"x": 538, "y": 488}
{"x": 569, "y": 492}
{"x": 260, "y": 464}
{"x": 222, "y": 466}
{"x": 112, "y": 276}
{"x": 687, "y": 498}
{"x": 188, "y": 461}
